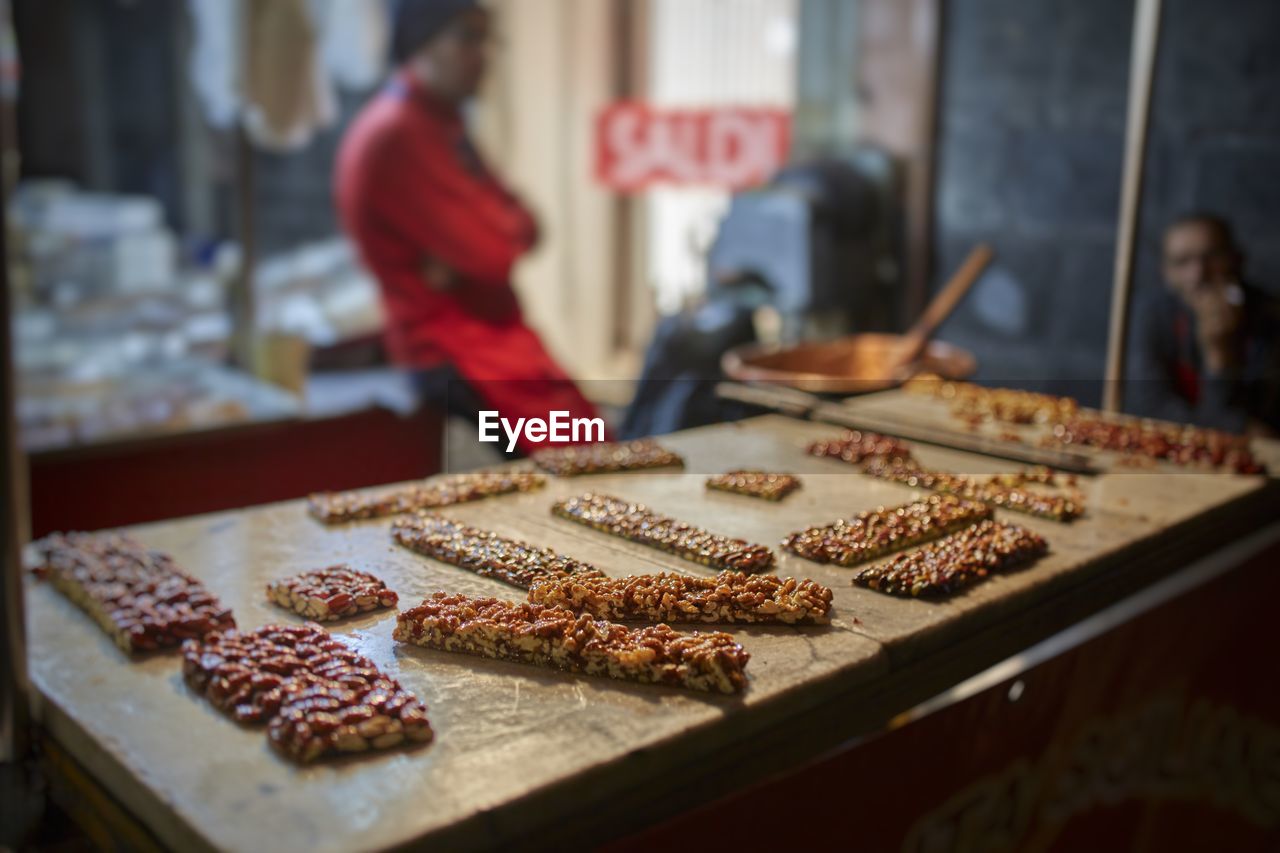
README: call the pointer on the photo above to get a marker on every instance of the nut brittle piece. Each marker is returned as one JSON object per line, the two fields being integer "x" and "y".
{"x": 729, "y": 597}
{"x": 605, "y": 457}
{"x": 856, "y": 445}
{"x": 484, "y": 552}
{"x": 559, "y": 638}
{"x": 331, "y": 593}
{"x": 338, "y": 707}
{"x": 338, "y": 507}
{"x": 874, "y": 533}
{"x": 755, "y": 484}
{"x": 141, "y": 598}
{"x": 1007, "y": 405}
{"x": 241, "y": 672}
{"x": 318, "y": 696}
{"x": 954, "y": 562}
{"x": 994, "y": 491}
{"x": 637, "y": 523}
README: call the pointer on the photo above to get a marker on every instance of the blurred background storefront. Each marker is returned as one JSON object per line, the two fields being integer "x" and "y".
{"x": 183, "y": 292}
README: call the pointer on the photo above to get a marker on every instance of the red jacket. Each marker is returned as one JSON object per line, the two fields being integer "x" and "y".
{"x": 412, "y": 192}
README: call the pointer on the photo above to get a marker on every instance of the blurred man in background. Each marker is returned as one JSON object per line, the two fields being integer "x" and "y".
{"x": 1206, "y": 348}
{"x": 440, "y": 231}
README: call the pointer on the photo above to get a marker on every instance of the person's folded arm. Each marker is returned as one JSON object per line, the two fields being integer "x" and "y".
{"x": 452, "y": 218}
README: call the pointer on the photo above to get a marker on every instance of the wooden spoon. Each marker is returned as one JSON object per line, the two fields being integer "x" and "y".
{"x": 939, "y": 308}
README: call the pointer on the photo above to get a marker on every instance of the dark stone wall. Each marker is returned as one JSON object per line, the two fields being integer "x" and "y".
{"x": 293, "y": 191}
{"x": 98, "y": 101}
{"x": 1031, "y": 139}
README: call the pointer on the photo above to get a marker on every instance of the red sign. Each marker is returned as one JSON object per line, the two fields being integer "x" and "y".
{"x": 638, "y": 146}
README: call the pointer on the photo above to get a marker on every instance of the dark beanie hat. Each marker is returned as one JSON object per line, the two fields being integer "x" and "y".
{"x": 416, "y": 22}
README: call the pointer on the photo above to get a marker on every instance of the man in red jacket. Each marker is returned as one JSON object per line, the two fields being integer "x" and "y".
{"x": 440, "y": 232}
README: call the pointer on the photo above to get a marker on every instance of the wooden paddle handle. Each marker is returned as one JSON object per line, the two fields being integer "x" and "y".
{"x": 917, "y": 337}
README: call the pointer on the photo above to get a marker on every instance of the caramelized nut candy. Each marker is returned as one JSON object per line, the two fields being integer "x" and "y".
{"x": 318, "y": 696}
{"x": 954, "y": 562}
{"x": 755, "y": 484}
{"x": 355, "y": 710}
{"x": 729, "y": 597}
{"x": 994, "y": 491}
{"x": 637, "y": 523}
{"x": 332, "y": 593}
{"x": 857, "y": 445}
{"x": 874, "y": 533}
{"x": 558, "y": 638}
{"x": 484, "y": 552}
{"x": 337, "y": 507}
{"x": 139, "y": 597}
{"x": 604, "y": 457}
{"x": 241, "y": 673}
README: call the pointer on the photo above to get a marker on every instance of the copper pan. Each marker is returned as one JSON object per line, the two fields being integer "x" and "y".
{"x": 856, "y": 364}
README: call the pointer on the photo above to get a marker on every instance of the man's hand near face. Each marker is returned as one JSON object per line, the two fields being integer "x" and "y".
{"x": 1219, "y": 311}
{"x": 1202, "y": 265}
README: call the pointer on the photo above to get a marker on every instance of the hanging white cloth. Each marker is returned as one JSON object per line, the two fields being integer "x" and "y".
{"x": 272, "y": 64}
{"x": 215, "y": 59}
{"x": 355, "y": 35}
{"x": 287, "y": 96}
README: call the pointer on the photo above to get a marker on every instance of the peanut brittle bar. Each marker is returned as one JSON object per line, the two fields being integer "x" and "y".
{"x": 241, "y": 673}
{"x": 755, "y": 484}
{"x": 338, "y": 708}
{"x": 605, "y": 457}
{"x": 637, "y": 523}
{"x": 993, "y": 491}
{"x": 559, "y": 638}
{"x": 338, "y": 507}
{"x": 872, "y": 534}
{"x": 1007, "y": 405}
{"x": 318, "y": 696}
{"x": 954, "y": 562}
{"x": 483, "y": 552}
{"x": 1178, "y": 444}
{"x": 332, "y": 593}
{"x": 856, "y": 445}
{"x": 667, "y": 597}
{"x": 138, "y": 596}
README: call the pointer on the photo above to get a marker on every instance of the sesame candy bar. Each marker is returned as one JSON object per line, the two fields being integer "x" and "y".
{"x": 483, "y": 552}
{"x": 954, "y": 562}
{"x": 637, "y": 523}
{"x": 139, "y": 597}
{"x": 755, "y": 484}
{"x": 338, "y": 507}
{"x": 332, "y": 593}
{"x": 317, "y": 695}
{"x": 992, "y": 491}
{"x": 667, "y": 597}
{"x": 605, "y": 457}
{"x": 857, "y": 445}
{"x": 559, "y": 638}
{"x": 872, "y": 534}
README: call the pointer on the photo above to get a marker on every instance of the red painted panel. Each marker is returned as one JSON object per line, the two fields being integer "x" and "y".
{"x": 183, "y": 475}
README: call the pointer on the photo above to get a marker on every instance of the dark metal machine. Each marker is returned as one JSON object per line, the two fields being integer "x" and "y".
{"x": 807, "y": 254}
